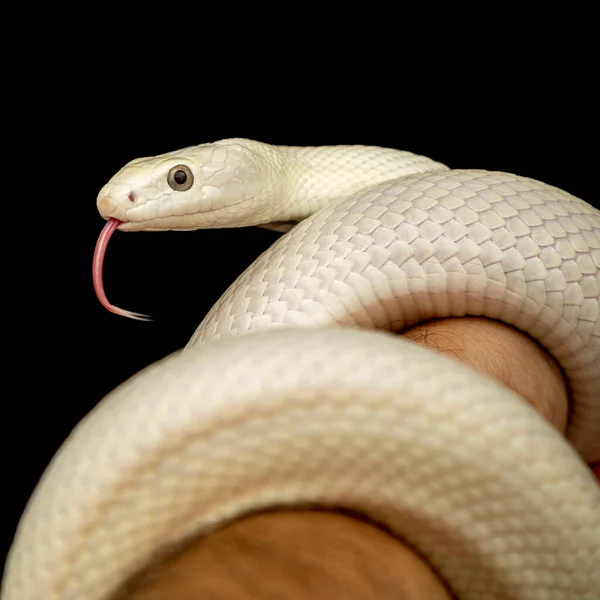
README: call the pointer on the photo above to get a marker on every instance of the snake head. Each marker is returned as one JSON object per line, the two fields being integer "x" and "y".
{"x": 205, "y": 186}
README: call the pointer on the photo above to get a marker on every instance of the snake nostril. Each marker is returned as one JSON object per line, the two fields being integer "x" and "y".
{"x": 131, "y": 197}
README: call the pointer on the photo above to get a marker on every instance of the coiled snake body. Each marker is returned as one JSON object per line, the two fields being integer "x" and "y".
{"x": 316, "y": 403}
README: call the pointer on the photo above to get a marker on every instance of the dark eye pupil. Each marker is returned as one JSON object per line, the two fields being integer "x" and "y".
{"x": 180, "y": 177}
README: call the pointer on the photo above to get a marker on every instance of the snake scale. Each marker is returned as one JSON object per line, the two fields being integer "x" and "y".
{"x": 293, "y": 390}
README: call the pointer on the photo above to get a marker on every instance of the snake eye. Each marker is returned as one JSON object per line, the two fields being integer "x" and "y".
{"x": 180, "y": 178}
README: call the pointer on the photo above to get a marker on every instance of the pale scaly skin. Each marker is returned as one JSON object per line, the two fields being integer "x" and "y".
{"x": 453, "y": 463}
{"x": 240, "y": 183}
{"x": 495, "y": 499}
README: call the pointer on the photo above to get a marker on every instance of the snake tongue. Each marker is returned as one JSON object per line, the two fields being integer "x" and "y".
{"x": 98, "y": 261}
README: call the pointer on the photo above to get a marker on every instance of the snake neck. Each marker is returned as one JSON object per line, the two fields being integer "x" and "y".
{"x": 297, "y": 181}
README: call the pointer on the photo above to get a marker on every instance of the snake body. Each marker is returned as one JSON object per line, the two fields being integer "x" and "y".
{"x": 293, "y": 392}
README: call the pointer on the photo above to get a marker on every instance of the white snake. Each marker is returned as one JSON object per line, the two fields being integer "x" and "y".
{"x": 312, "y": 407}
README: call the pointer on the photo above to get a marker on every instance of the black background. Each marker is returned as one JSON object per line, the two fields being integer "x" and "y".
{"x": 83, "y": 120}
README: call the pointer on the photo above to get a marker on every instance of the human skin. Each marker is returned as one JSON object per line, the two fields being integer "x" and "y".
{"x": 318, "y": 554}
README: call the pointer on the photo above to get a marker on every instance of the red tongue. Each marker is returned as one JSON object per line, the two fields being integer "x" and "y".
{"x": 98, "y": 261}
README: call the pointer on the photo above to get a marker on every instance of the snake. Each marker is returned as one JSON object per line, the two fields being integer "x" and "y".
{"x": 295, "y": 389}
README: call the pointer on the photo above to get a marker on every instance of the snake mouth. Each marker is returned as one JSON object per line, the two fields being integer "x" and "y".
{"x": 97, "y": 264}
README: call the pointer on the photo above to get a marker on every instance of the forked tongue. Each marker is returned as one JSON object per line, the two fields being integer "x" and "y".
{"x": 99, "y": 253}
